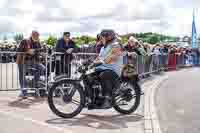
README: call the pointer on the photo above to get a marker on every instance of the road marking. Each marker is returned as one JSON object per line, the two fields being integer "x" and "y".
{"x": 17, "y": 116}
{"x": 151, "y": 118}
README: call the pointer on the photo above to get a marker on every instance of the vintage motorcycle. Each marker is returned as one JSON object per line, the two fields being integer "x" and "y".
{"x": 86, "y": 92}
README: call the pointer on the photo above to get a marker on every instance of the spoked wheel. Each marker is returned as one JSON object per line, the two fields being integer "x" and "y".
{"x": 66, "y": 99}
{"x": 127, "y": 98}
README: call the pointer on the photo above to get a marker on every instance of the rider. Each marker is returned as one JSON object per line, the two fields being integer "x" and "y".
{"x": 111, "y": 62}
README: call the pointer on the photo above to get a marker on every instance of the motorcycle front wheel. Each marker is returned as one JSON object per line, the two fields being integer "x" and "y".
{"x": 66, "y": 99}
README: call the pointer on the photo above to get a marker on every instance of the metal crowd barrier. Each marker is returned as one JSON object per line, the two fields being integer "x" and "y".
{"x": 29, "y": 73}
{"x": 66, "y": 64}
{"x": 14, "y": 76}
{"x": 156, "y": 63}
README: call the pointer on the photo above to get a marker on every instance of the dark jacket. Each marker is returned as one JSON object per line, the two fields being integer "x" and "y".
{"x": 62, "y": 47}
{"x": 165, "y": 50}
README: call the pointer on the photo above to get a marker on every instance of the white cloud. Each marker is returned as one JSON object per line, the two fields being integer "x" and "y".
{"x": 90, "y": 16}
{"x": 2, "y": 3}
{"x": 47, "y": 3}
{"x": 184, "y": 4}
{"x": 21, "y": 4}
{"x": 84, "y": 8}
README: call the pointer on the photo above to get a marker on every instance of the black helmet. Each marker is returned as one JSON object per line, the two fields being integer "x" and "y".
{"x": 108, "y": 32}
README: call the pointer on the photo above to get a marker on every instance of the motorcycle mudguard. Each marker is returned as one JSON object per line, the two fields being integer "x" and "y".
{"x": 68, "y": 80}
{"x": 63, "y": 76}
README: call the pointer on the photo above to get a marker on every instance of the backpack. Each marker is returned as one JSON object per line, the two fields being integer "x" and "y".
{"x": 129, "y": 70}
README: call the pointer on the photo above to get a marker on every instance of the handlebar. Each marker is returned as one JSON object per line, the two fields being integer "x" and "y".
{"x": 87, "y": 65}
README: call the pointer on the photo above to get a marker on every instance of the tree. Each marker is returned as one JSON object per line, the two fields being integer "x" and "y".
{"x": 18, "y": 38}
{"x": 149, "y": 37}
{"x": 51, "y": 40}
{"x": 85, "y": 40}
{"x": 153, "y": 40}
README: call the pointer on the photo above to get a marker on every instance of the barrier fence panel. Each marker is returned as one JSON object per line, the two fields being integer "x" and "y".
{"x": 148, "y": 64}
{"x": 37, "y": 71}
{"x": 8, "y": 71}
{"x": 29, "y": 72}
{"x": 66, "y": 64}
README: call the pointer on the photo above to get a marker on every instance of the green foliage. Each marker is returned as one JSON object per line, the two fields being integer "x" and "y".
{"x": 85, "y": 40}
{"x": 51, "y": 40}
{"x": 18, "y": 37}
{"x": 149, "y": 37}
{"x": 154, "y": 39}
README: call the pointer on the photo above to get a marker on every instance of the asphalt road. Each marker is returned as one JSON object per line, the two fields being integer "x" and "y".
{"x": 178, "y": 102}
{"x": 33, "y": 115}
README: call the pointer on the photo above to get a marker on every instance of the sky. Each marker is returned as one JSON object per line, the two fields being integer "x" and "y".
{"x": 88, "y": 17}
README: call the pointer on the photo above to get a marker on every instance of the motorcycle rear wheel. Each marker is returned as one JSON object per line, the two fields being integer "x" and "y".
{"x": 136, "y": 96}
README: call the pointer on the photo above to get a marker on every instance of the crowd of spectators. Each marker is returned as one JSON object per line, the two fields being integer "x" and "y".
{"x": 146, "y": 58}
{"x": 167, "y": 56}
{"x": 138, "y": 53}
